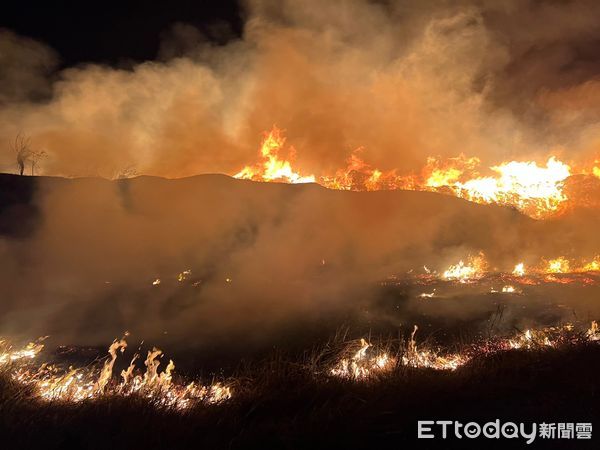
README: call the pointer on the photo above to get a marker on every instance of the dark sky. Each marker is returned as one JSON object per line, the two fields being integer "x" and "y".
{"x": 115, "y": 32}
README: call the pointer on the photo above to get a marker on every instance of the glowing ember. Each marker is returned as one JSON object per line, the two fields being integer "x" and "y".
{"x": 184, "y": 275}
{"x": 8, "y": 355}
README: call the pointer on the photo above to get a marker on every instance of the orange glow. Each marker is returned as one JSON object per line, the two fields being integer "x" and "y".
{"x": 558, "y": 265}
{"x": 273, "y": 168}
{"x": 532, "y": 188}
{"x": 78, "y": 384}
{"x": 463, "y": 272}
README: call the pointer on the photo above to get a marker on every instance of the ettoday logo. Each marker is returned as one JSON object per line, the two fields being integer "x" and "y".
{"x": 444, "y": 429}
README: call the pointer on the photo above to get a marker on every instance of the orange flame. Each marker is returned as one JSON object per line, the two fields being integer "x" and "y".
{"x": 536, "y": 190}
{"x": 273, "y": 168}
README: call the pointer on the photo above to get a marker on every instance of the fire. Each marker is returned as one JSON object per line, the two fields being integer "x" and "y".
{"x": 361, "y": 367}
{"x": 365, "y": 362}
{"x": 558, "y": 265}
{"x": 534, "y": 189}
{"x": 463, "y": 272}
{"x": 519, "y": 270}
{"x": 593, "y": 334}
{"x": 413, "y": 357}
{"x": 30, "y": 351}
{"x": 476, "y": 269}
{"x": 592, "y": 266}
{"x": 77, "y": 384}
{"x": 273, "y": 168}
{"x": 525, "y": 185}
{"x": 360, "y": 176}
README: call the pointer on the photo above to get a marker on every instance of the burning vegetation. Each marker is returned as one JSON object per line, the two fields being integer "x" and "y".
{"x": 74, "y": 384}
{"x": 357, "y": 361}
{"x": 537, "y": 190}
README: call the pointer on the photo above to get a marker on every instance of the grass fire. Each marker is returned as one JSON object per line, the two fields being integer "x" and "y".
{"x": 300, "y": 224}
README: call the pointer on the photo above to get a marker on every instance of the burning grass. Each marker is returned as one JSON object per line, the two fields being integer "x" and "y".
{"x": 357, "y": 360}
{"x": 294, "y": 402}
{"x": 51, "y": 382}
{"x": 535, "y": 189}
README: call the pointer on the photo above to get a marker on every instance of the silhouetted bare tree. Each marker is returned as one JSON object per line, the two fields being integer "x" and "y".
{"x": 22, "y": 151}
{"x": 25, "y": 154}
{"x": 34, "y": 158}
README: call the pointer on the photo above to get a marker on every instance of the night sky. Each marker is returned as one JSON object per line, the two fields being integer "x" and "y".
{"x": 117, "y": 33}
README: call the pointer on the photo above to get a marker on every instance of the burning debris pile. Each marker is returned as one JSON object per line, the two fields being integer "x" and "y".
{"x": 536, "y": 190}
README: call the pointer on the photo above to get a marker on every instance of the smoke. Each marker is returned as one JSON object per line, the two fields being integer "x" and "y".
{"x": 403, "y": 81}
{"x": 264, "y": 258}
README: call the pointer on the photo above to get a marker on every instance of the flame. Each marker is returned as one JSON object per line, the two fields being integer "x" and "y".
{"x": 473, "y": 269}
{"x": 30, "y": 351}
{"x": 519, "y": 270}
{"x": 463, "y": 272}
{"x": 360, "y": 367}
{"x": 77, "y": 384}
{"x": 593, "y": 334}
{"x": 108, "y": 365}
{"x": 273, "y": 168}
{"x": 413, "y": 357}
{"x": 592, "y": 266}
{"x": 536, "y": 190}
{"x": 558, "y": 265}
{"x": 525, "y": 185}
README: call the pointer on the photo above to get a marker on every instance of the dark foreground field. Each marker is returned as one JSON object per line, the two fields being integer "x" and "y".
{"x": 280, "y": 404}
